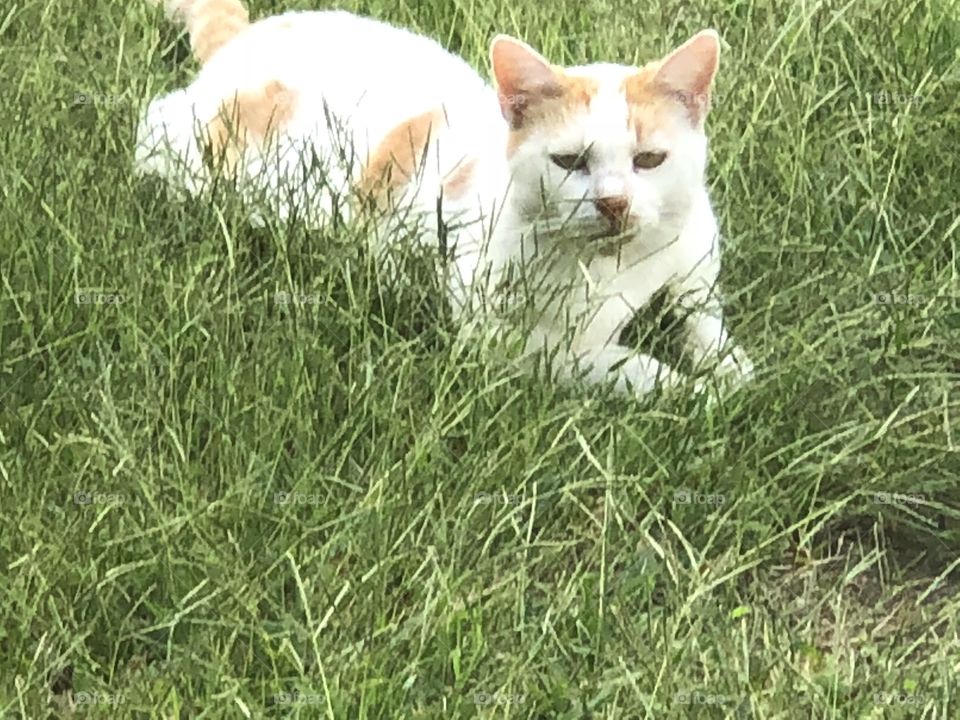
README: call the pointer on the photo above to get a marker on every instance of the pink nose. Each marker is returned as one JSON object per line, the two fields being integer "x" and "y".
{"x": 614, "y": 209}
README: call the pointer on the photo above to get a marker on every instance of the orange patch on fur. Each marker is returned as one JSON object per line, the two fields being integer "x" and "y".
{"x": 638, "y": 87}
{"x": 267, "y": 111}
{"x": 396, "y": 159}
{"x": 214, "y": 23}
{"x": 553, "y": 112}
{"x": 578, "y": 91}
{"x": 649, "y": 107}
{"x": 255, "y": 116}
{"x": 457, "y": 182}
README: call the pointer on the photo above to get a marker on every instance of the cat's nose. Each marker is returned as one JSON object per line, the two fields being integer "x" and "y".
{"x": 613, "y": 208}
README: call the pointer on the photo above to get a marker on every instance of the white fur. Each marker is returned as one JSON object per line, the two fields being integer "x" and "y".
{"x": 510, "y": 237}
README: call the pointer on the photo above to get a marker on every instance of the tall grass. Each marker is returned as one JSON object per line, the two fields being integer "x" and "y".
{"x": 217, "y": 504}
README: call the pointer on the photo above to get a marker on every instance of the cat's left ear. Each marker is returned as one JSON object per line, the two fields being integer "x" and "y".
{"x": 523, "y": 77}
{"x": 687, "y": 73}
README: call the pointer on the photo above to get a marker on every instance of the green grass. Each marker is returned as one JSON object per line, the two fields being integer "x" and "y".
{"x": 467, "y": 540}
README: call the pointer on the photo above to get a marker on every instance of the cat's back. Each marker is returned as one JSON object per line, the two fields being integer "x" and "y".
{"x": 365, "y": 69}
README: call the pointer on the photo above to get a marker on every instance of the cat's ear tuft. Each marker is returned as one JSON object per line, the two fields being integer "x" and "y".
{"x": 687, "y": 73}
{"x": 523, "y": 77}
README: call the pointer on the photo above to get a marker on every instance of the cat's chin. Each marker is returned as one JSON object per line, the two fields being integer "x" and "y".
{"x": 610, "y": 241}
{"x": 638, "y": 237}
{"x": 593, "y": 235}
{"x": 611, "y": 234}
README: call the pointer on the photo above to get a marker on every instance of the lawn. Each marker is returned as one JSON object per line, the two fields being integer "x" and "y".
{"x": 242, "y": 474}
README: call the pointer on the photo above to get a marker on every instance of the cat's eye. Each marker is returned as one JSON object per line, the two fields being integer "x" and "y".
{"x": 572, "y": 162}
{"x": 648, "y": 160}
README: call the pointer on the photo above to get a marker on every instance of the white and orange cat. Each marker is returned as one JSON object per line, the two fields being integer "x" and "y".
{"x": 579, "y": 191}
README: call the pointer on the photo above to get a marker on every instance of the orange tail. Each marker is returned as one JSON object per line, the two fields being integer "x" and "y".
{"x": 210, "y": 23}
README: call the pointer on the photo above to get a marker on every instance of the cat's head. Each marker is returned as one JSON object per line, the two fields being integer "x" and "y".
{"x": 613, "y": 148}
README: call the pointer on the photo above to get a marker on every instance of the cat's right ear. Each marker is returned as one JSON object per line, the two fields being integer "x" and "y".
{"x": 523, "y": 78}
{"x": 687, "y": 73}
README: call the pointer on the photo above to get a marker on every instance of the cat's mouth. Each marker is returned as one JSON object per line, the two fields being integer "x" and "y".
{"x": 592, "y": 231}
{"x": 621, "y": 232}
{"x": 610, "y": 242}
{"x": 607, "y": 234}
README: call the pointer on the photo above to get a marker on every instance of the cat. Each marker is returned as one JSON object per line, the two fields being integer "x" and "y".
{"x": 575, "y": 192}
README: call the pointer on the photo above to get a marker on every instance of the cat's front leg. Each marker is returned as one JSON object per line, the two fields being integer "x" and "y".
{"x": 591, "y": 354}
{"x": 707, "y": 341}
{"x": 628, "y": 372}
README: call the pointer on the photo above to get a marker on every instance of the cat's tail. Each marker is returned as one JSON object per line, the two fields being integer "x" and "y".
{"x": 211, "y": 24}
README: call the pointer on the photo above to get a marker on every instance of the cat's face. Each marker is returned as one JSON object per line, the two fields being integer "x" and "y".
{"x": 606, "y": 150}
